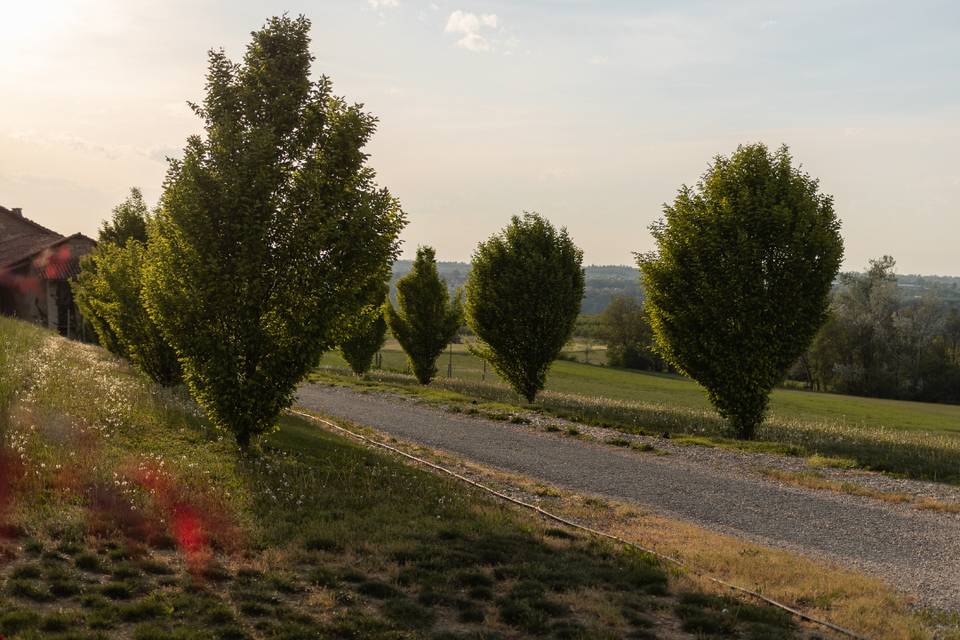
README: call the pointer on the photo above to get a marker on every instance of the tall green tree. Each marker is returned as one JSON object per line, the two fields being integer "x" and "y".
{"x": 128, "y": 221}
{"x": 523, "y": 297}
{"x": 113, "y": 291}
{"x": 425, "y": 319}
{"x": 366, "y": 335}
{"x": 89, "y": 292}
{"x": 739, "y": 283}
{"x": 271, "y": 232}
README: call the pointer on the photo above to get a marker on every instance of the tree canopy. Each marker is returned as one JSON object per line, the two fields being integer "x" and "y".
{"x": 109, "y": 288}
{"x": 523, "y": 298}
{"x": 366, "y": 335}
{"x": 739, "y": 283}
{"x": 128, "y": 222}
{"x": 271, "y": 231}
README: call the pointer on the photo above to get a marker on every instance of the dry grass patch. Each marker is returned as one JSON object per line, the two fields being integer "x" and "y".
{"x": 828, "y": 462}
{"x": 812, "y": 480}
{"x": 932, "y": 504}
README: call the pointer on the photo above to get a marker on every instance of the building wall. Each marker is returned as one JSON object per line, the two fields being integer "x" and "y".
{"x": 48, "y": 300}
{"x": 27, "y": 296}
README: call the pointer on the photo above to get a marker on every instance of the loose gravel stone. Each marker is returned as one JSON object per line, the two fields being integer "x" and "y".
{"x": 914, "y": 551}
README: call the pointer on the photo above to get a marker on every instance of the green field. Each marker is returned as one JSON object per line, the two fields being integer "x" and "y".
{"x": 912, "y": 438}
{"x": 638, "y": 386}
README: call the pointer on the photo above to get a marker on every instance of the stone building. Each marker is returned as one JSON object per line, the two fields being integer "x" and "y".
{"x": 36, "y": 265}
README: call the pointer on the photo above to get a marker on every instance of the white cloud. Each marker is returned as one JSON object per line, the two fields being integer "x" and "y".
{"x": 599, "y": 60}
{"x": 469, "y": 26}
{"x": 383, "y": 4}
{"x": 474, "y": 42}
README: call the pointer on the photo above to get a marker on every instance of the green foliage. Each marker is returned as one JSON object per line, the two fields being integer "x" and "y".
{"x": 626, "y": 330}
{"x": 129, "y": 221}
{"x": 588, "y": 326}
{"x": 109, "y": 293}
{"x": 739, "y": 284}
{"x": 425, "y": 319}
{"x": 879, "y": 342}
{"x": 523, "y": 297}
{"x": 367, "y": 336}
{"x": 112, "y": 290}
{"x": 88, "y": 292}
{"x": 270, "y": 233}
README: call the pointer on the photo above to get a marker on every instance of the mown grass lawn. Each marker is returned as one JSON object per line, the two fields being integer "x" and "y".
{"x": 124, "y": 516}
{"x": 911, "y": 438}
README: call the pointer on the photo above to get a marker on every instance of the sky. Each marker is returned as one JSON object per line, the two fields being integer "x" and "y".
{"x": 593, "y": 113}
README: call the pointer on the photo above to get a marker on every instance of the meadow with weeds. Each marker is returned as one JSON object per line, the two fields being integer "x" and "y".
{"x": 908, "y": 438}
{"x": 125, "y": 515}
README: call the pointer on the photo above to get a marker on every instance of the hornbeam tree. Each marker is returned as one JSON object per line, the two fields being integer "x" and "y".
{"x": 739, "y": 283}
{"x": 271, "y": 232}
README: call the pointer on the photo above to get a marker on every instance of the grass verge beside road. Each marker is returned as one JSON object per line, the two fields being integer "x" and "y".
{"x": 844, "y": 597}
{"x": 910, "y": 451}
{"x": 567, "y": 377}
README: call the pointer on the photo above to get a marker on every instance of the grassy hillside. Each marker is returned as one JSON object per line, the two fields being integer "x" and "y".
{"x": 913, "y": 438}
{"x": 123, "y": 515}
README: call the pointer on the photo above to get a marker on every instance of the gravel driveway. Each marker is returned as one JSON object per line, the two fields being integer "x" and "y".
{"x": 916, "y": 551}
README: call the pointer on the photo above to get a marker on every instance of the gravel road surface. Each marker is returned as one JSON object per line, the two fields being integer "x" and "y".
{"x": 915, "y": 551}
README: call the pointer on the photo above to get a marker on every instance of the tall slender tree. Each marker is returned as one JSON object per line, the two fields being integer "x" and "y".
{"x": 113, "y": 292}
{"x": 271, "y": 231}
{"x": 127, "y": 222}
{"x": 523, "y": 297}
{"x": 425, "y": 319}
{"x": 366, "y": 335}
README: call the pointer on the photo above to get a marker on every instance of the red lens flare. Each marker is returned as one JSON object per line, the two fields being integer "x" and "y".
{"x": 11, "y": 470}
{"x": 196, "y": 522}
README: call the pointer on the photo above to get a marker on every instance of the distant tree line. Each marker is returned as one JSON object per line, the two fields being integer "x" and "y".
{"x": 602, "y": 283}
{"x": 879, "y": 342}
{"x": 879, "y": 339}
{"x": 624, "y": 327}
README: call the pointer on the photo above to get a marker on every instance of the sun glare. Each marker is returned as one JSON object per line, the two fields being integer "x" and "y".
{"x": 23, "y": 25}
